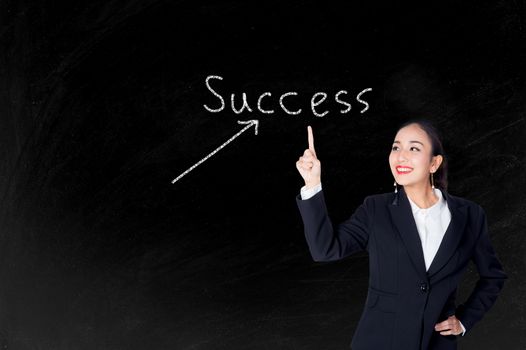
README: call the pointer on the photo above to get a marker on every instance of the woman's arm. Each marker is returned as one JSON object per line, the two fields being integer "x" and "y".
{"x": 327, "y": 244}
{"x": 491, "y": 280}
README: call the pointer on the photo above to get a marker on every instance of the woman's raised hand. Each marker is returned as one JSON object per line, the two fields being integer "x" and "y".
{"x": 308, "y": 165}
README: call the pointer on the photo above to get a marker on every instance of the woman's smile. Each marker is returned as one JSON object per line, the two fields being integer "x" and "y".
{"x": 403, "y": 169}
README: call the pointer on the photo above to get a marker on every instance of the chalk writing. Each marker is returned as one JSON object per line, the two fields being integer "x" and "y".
{"x": 316, "y": 101}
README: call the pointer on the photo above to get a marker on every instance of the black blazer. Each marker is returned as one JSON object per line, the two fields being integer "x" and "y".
{"x": 404, "y": 301}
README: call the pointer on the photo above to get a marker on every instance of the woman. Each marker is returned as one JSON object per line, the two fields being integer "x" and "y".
{"x": 420, "y": 240}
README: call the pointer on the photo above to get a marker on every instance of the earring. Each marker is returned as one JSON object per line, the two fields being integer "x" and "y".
{"x": 396, "y": 188}
{"x": 432, "y": 182}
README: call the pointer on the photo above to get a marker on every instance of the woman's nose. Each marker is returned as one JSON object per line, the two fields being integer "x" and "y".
{"x": 402, "y": 155}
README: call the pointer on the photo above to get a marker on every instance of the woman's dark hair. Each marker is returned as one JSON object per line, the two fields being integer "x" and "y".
{"x": 440, "y": 176}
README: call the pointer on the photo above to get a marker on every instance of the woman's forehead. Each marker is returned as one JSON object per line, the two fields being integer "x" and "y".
{"x": 411, "y": 133}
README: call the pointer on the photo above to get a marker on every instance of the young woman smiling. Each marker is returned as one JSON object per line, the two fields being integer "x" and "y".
{"x": 419, "y": 238}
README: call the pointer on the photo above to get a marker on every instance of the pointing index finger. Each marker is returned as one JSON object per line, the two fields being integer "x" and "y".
{"x": 311, "y": 140}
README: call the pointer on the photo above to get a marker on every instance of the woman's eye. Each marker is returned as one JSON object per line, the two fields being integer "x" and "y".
{"x": 396, "y": 148}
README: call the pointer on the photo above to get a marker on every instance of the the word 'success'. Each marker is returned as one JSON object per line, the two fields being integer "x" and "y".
{"x": 315, "y": 102}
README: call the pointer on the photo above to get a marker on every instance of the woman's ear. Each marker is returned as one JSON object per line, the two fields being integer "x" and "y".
{"x": 435, "y": 164}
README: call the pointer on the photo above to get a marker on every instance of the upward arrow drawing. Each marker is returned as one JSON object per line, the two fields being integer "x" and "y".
{"x": 249, "y": 122}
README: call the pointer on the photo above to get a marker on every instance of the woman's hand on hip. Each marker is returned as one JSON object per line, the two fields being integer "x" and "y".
{"x": 451, "y": 326}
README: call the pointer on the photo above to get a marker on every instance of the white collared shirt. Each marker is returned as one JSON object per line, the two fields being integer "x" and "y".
{"x": 431, "y": 224}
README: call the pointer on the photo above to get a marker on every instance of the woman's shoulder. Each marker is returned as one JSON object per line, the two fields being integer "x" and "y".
{"x": 463, "y": 200}
{"x": 471, "y": 205}
{"x": 391, "y": 197}
{"x": 476, "y": 215}
{"x": 378, "y": 199}
{"x": 387, "y": 196}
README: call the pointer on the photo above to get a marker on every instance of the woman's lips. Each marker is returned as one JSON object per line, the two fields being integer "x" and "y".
{"x": 403, "y": 169}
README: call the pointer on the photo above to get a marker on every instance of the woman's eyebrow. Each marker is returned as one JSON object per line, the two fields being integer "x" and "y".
{"x": 411, "y": 142}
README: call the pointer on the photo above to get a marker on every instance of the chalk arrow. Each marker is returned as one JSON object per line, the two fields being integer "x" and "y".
{"x": 249, "y": 122}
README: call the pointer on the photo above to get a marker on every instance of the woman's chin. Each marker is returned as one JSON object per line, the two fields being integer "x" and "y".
{"x": 404, "y": 183}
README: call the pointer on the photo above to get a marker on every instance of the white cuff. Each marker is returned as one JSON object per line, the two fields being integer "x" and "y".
{"x": 307, "y": 193}
{"x": 463, "y": 328}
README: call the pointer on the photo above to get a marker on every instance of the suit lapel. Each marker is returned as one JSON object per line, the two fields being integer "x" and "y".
{"x": 453, "y": 234}
{"x": 402, "y": 216}
{"x": 403, "y": 219}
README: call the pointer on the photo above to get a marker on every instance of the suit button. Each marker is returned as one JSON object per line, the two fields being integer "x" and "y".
{"x": 423, "y": 287}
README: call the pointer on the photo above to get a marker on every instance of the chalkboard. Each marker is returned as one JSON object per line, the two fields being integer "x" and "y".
{"x": 104, "y": 105}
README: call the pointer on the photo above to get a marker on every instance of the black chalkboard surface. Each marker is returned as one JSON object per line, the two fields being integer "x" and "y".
{"x": 104, "y": 104}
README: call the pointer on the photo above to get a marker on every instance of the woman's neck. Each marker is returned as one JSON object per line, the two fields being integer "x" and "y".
{"x": 423, "y": 196}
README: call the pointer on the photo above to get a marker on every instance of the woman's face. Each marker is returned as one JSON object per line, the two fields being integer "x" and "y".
{"x": 410, "y": 157}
